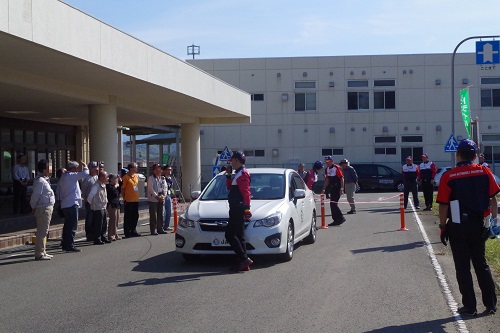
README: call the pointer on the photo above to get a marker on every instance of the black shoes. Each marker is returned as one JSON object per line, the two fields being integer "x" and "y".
{"x": 162, "y": 232}
{"x": 467, "y": 312}
{"x": 337, "y": 222}
{"x": 417, "y": 207}
{"x": 154, "y": 233}
{"x": 351, "y": 212}
{"x": 98, "y": 242}
{"x": 490, "y": 311}
{"x": 72, "y": 249}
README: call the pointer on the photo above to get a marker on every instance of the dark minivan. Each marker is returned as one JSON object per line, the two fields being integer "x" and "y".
{"x": 378, "y": 177}
{"x": 371, "y": 177}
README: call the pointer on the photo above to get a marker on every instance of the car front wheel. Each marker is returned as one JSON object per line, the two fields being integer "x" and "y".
{"x": 288, "y": 255}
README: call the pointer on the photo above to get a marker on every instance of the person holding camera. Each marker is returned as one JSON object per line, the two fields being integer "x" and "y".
{"x": 157, "y": 191}
{"x": 20, "y": 176}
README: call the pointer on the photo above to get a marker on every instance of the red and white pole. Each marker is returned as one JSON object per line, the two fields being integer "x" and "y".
{"x": 323, "y": 219}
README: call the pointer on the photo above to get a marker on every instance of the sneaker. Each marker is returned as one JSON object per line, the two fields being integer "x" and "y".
{"x": 490, "y": 311}
{"x": 351, "y": 212}
{"x": 48, "y": 255}
{"x": 417, "y": 207}
{"x": 467, "y": 312}
{"x": 154, "y": 233}
{"x": 43, "y": 257}
{"x": 72, "y": 249}
{"x": 245, "y": 264}
{"x": 170, "y": 229}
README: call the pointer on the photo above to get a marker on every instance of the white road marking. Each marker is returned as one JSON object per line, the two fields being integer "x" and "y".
{"x": 445, "y": 289}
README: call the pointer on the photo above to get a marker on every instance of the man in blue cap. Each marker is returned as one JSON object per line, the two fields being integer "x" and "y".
{"x": 466, "y": 197}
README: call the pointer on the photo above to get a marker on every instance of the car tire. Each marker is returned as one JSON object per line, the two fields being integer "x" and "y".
{"x": 288, "y": 255}
{"x": 311, "y": 238}
{"x": 191, "y": 257}
{"x": 400, "y": 187}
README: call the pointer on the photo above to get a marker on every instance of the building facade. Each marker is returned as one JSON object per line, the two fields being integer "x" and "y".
{"x": 368, "y": 109}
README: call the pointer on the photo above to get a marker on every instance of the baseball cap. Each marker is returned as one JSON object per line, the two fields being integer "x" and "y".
{"x": 409, "y": 158}
{"x": 467, "y": 145}
{"x": 317, "y": 165}
{"x": 240, "y": 156}
{"x": 344, "y": 161}
{"x": 93, "y": 164}
{"x": 425, "y": 155}
{"x": 328, "y": 158}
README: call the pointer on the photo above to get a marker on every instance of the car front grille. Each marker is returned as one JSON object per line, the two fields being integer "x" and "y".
{"x": 209, "y": 247}
{"x": 214, "y": 225}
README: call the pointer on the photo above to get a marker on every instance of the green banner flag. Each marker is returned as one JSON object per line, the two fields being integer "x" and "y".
{"x": 464, "y": 106}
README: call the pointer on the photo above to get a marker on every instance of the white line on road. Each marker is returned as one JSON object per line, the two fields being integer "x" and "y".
{"x": 445, "y": 289}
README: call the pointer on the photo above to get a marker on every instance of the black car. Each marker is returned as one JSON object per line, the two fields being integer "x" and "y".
{"x": 371, "y": 177}
{"x": 378, "y": 177}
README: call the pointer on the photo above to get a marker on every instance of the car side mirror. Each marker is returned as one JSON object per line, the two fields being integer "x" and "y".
{"x": 299, "y": 193}
{"x": 195, "y": 194}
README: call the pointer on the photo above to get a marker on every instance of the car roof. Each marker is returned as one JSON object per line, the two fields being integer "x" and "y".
{"x": 268, "y": 170}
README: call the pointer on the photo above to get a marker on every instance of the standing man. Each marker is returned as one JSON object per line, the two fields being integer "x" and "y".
{"x": 42, "y": 202}
{"x": 20, "y": 176}
{"x": 334, "y": 179}
{"x": 426, "y": 176}
{"x": 350, "y": 183}
{"x": 130, "y": 194}
{"x": 98, "y": 200}
{"x": 410, "y": 176}
{"x": 481, "y": 160}
{"x": 68, "y": 191}
{"x": 87, "y": 184}
{"x": 157, "y": 189}
{"x": 239, "y": 209}
{"x": 302, "y": 172}
{"x": 167, "y": 175}
{"x": 466, "y": 197}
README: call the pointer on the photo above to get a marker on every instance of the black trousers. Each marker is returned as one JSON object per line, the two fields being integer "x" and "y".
{"x": 411, "y": 187}
{"x": 334, "y": 207}
{"x": 467, "y": 245}
{"x": 428, "y": 191}
{"x": 88, "y": 220}
{"x": 99, "y": 224}
{"x": 19, "y": 203}
{"x": 235, "y": 231}
{"x": 130, "y": 218}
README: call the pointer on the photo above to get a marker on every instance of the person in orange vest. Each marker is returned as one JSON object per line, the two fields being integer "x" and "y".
{"x": 130, "y": 194}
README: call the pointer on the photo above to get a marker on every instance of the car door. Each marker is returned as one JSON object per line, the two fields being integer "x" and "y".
{"x": 385, "y": 178}
{"x": 297, "y": 205}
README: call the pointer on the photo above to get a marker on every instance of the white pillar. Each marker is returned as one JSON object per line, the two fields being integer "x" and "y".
{"x": 190, "y": 157}
{"x": 103, "y": 136}
{"x": 120, "y": 147}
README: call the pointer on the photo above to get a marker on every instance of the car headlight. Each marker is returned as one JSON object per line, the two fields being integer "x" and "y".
{"x": 185, "y": 223}
{"x": 269, "y": 221}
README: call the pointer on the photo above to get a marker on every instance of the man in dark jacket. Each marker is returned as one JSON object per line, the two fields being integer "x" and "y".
{"x": 410, "y": 176}
{"x": 427, "y": 174}
{"x": 239, "y": 209}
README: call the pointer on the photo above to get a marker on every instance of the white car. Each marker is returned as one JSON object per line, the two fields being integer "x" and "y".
{"x": 283, "y": 213}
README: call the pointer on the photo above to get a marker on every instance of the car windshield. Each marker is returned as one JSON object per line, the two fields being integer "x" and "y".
{"x": 264, "y": 186}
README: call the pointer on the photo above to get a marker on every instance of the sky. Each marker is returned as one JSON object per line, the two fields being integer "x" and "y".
{"x": 290, "y": 28}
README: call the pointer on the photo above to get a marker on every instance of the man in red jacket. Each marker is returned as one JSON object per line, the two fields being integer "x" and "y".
{"x": 239, "y": 209}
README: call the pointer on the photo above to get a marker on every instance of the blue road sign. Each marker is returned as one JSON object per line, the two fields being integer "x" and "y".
{"x": 225, "y": 155}
{"x": 488, "y": 52}
{"x": 451, "y": 145}
{"x": 215, "y": 170}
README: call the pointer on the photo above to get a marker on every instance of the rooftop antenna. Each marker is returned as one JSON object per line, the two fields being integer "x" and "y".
{"x": 193, "y": 50}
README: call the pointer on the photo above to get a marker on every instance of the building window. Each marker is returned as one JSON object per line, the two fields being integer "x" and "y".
{"x": 384, "y": 83}
{"x": 332, "y": 151}
{"x": 257, "y": 97}
{"x": 358, "y": 100}
{"x": 415, "y": 152}
{"x": 385, "y": 139}
{"x": 384, "y": 100}
{"x": 490, "y": 97}
{"x": 490, "y": 80}
{"x": 305, "y": 101}
{"x": 411, "y": 138}
{"x": 357, "y": 83}
{"x": 260, "y": 153}
{"x": 385, "y": 151}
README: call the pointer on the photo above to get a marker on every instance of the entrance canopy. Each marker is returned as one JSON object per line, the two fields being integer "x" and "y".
{"x": 55, "y": 61}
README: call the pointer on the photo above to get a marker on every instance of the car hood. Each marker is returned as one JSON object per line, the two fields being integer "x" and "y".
{"x": 216, "y": 209}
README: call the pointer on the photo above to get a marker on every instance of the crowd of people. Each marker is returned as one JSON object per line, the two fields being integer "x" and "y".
{"x": 102, "y": 195}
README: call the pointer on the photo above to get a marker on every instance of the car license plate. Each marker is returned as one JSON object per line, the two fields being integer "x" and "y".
{"x": 219, "y": 241}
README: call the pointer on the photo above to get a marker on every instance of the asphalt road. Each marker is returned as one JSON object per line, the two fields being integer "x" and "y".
{"x": 362, "y": 276}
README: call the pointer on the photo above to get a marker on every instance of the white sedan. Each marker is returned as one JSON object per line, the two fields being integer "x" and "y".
{"x": 283, "y": 208}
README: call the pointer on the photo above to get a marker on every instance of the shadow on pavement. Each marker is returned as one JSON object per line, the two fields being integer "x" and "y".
{"x": 193, "y": 269}
{"x": 393, "y": 248}
{"x": 435, "y": 326}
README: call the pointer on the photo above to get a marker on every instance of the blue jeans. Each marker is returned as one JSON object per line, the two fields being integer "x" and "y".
{"x": 167, "y": 212}
{"x": 70, "y": 225}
